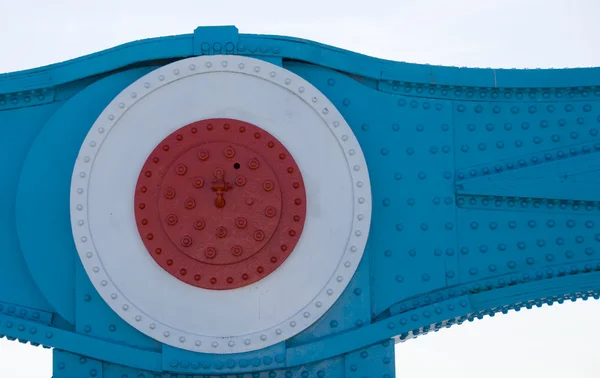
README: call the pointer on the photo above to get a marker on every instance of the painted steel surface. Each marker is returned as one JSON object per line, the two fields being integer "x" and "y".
{"x": 278, "y": 305}
{"x": 480, "y": 197}
{"x": 206, "y": 199}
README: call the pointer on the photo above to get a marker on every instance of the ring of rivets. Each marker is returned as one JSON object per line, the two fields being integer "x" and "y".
{"x": 220, "y": 204}
{"x": 170, "y": 334}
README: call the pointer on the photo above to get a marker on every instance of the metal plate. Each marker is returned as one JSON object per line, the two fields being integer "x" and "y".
{"x": 271, "y": 310}
{"x": 220, "y": 204}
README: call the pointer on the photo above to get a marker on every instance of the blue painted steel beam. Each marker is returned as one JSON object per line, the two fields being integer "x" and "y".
{"x": 485, "y": 200}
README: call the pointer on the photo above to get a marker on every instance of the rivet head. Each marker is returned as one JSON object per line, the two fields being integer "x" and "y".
{"x": 236, "y": 250}
{"x": 210, "y": 252}
{"x": 241, "y": 222}
{"x": 259, "y": 235}
{"x": 229, "y": 152}
{"x": 253, "y": 164}
{"x": 268, "y": 186}
{"x": 221, "y": 232}
{"x": 203, "y": 155}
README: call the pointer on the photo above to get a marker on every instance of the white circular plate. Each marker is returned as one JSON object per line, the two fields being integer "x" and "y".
{"x": 288, "y": 300}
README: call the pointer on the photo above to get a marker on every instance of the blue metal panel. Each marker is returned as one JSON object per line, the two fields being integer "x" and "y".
{"x": 210, "y": 40}
{"x": 51, "y": 165}
{"x": 408, "y": 146}
{"x": 183, "y": 361}
{"x": 19, "y": 128}
{"x": 495, "y": 241}
{"x": 411, "y": 323}
{"x": 17, "y": 311}
{"x": 26, "y": 98}
{"x": 558, "y": 174}
{"x": 69, "y": 365}
{"x": 97, "y": 63}
{"x": 520, "y": 133}
{"x": 14, "y": 328}
{"x": 374, "y": 361}
{"x": 352, "y": 310}
{"x": 93, "y": 317}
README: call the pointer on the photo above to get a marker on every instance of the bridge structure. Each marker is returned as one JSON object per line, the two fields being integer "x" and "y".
{"x": 226, "y": 204}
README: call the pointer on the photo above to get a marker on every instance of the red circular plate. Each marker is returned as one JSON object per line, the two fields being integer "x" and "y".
{"x": 220, "y": 204}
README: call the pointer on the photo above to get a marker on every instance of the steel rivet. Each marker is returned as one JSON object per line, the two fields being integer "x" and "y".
{"x": 210, "y": 252}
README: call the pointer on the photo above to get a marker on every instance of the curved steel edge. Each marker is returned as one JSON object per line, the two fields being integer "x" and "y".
{"x": 225, "y": 39}
{"x": 445, "y": 314}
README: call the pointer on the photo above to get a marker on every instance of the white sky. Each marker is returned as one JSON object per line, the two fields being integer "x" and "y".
{"x": 552, "y": 342}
